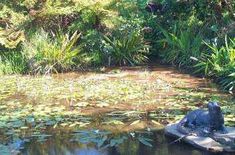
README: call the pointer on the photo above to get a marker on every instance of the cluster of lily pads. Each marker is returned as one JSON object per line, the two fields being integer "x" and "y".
{"x": 30, "y": 105}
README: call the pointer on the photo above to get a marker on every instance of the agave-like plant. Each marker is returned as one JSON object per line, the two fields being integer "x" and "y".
{"x": 124, "y": 50}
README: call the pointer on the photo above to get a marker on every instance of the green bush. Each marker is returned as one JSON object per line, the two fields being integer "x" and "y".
{"x": 126, "y": 49}
{"x": 91, "y": 44}
{"x": 11, "y": 38}
{"x": 180, "y": 47}
{"x": 52, "y": 54}
{"x": 220, "y": 63}
{"x": 13, "y": 62}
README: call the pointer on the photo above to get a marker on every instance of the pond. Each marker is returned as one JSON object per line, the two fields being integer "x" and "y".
{"x": 117, "y": 102}
{"x": 96, "y": 142}
{"x": 107, "y": 143}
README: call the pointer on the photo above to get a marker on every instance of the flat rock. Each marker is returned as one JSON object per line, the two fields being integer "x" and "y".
{"x": 204, "y": 143}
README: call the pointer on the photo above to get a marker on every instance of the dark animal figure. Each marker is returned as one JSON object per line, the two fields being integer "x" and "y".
{"x": 204, "y": 122}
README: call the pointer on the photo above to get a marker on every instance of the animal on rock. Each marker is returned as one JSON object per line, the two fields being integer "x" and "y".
{"x": 203, "y": 121}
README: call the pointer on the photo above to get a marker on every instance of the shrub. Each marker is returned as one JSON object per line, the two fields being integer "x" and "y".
{"x": 52, "y": 55}
{"x": 220, "y": 63}
{"x": 13, "y": 62}
{"x": 180, "y": 47}
{"x": 127, "y": 48}
{"x": 91, "y": 44}
{"x": 10, "y": 38}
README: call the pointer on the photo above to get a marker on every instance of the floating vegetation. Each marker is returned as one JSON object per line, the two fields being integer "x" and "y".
{"x": 108, "y": 139}
{"x": 123, "y": 101}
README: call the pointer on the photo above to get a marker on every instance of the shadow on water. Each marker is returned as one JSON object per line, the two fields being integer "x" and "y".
{"x": 106, "y": 143}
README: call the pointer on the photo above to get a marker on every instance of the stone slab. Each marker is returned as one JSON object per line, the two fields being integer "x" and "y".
{"x": 204, "y": 143}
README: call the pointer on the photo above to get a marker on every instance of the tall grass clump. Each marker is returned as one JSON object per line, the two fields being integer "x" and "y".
{"x": 47, "y": 54}
{"x": 13, "y": 62}
{"x": 126, "y": 48}
{"x": 180, "y": 46}
{"x": 220, "y": 63}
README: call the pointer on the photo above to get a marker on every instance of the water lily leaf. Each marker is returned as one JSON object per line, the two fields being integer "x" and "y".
{"x": 115, "y": 122}
{"x": 17, "y": 123}
{"x": 145, "y": 141}
{"x": 135, "y": 122}
{"x": 41, "y": 137}
{"x": 81, "y": 104}
{"x": 24, "y": 127}
{"x": 64, "y": 124}
{"x": 101, "y": 141}
{"x": 74, "y": 124}
{"x": 83, "y": 124}
{"x": 3, "y": 125}
{"x": 102, "y": 104}
{"x": 10, "y": 132}
{"x": 4, "y": 150}
{"x": 17, "y": 144}
{"x": 30, "y": 119}
{"x": 117, "y": 141}
{"x": 50, "y": 122}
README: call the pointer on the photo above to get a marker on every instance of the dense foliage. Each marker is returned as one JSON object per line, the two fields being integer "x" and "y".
{"x": 43, "y": 36}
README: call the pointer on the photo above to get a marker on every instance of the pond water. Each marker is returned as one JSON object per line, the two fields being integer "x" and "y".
{"x": 123, "y": 101}
{"x": 129, "y": 145}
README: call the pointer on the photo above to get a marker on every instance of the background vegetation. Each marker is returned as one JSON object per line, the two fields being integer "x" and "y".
{"x": 44, "y": 36}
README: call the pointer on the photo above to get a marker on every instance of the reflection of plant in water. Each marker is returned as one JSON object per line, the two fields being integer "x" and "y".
{"x": 101, "y": 139}
{"x": 86, "y": 140}
{"x": 13, "y": 147}
{"x": 106, "y": 139}
{"x": 4, "y": 149}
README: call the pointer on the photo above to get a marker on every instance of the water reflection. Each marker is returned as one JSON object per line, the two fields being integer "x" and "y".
{"x": 57, "y": 145}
